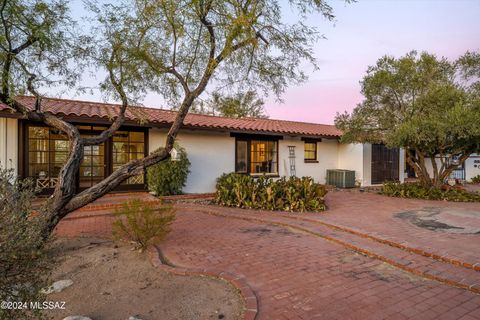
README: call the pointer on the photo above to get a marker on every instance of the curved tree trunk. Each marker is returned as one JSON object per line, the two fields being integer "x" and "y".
{"x": 439, "y": 174}
{"x": 417, "y": 162}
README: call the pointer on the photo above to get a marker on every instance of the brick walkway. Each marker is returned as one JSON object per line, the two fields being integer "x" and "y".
{"x": 305, "y": 270}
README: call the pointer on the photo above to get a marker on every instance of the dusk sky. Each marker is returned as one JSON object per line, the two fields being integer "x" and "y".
{"x": 365, "y": 31}
{"x": 361, "y": 33}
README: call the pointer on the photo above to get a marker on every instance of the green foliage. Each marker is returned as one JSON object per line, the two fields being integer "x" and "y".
{"x": 169, "y": 177}
{"x": 167, "y": 46}
{"x": 38, "y": 43}
{"x": 419, "y": 102}
{"x": 476, "y": 179}
{"x": 25, "y": 255}
{"x": 142, "y": 223}
{"x": 417, "y": 191}
{"x": 292, "y": 194}
{"x": 240, "y": 105}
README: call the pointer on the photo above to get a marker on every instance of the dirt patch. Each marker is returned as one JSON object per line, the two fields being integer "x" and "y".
{"x": 111, "y": 282}
{"x": 449, "y": 220}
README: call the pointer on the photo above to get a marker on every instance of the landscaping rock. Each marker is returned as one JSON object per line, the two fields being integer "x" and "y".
{"x": 76, "y": 318}
{"x": 134, "y": 318}
{"x": 58, "y": 286}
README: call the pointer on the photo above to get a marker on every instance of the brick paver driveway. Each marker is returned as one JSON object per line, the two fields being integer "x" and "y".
{"x": 342, "y": 264}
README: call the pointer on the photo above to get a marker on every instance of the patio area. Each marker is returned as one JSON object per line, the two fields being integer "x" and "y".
{"x": 367, "y": 257}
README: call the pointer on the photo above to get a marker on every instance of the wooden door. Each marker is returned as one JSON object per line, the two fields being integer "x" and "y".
{"x": 385, "y": 164}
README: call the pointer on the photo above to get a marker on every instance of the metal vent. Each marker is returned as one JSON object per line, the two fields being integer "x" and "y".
{"x": 341, "y": 178}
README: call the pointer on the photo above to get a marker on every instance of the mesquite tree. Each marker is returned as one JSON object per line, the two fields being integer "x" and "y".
{"x": 171, "y": 47}
{"x": 427, "y": 105}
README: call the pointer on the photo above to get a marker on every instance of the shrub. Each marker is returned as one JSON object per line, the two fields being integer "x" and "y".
{"x": 292, "y": 194}
{"x": 476, "y": 179}
{"x": 142, "y": 222}
{"x": 417, "y": 191}
{"x": 169, "y": 177}
{"x": 26, "y": 257}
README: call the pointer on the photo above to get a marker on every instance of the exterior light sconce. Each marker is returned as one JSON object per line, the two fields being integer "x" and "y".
{"x": 175, "y": 155}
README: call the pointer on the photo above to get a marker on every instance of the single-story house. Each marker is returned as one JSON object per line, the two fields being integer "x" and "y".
{"x": 215, "y": 145}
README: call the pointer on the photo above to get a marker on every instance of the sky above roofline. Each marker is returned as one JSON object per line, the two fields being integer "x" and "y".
{"x": 362, "y": 33}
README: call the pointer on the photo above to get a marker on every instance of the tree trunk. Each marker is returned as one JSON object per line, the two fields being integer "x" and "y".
{"x": 439, "y": 174}
{"x": 418, "y": 164}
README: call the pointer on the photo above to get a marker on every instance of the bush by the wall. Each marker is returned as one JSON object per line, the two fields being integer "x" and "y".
{"x": 26, "y": 258}
{"x": 142, "y": 223}
{"x": 417, "y": 191}
{"x": 292, "y": 194}
{"x": 169, "y": 177}
{"x": 476, "y": 179}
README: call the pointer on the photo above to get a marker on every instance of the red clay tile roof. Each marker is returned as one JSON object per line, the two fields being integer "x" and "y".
{"x": 155, "y": 116}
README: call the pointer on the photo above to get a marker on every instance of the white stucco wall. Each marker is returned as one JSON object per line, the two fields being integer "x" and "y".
{"x": 213, "y": 154}
{"x": 9, "y": 143}
{"x": 429, "y": 166}
{"x": 367, "y": 165}
{"x": 326, "y": 155}
{"x": 210, "y": 154}
{"x": 402, "y": 166}
{"x": 472, "y": 167}
{"x": 350, "y": 157}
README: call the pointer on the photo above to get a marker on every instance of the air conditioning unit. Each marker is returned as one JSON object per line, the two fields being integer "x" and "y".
{"x": 341, "y": 178}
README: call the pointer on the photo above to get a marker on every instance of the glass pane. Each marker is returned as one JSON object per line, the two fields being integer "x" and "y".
{"x": 85, "y": 171}
{"x": 38, "y": 157}
{"x": 135, "y": 147}
{"x": 128, "y": 146}
{"x": 263, "y": 155}
{"x": 98, "y": 150}
{"x": 37, "y": 145}
{"x": 97, "y": 160}
{"x": 87, "y": 151}
{"x": 310, "y": 151}
{"x": 137, "y": 136}
{"x": 58, "y": 157}
{"x": 120, "y": 147}
{"x": 87, "y": 160}
{"x": 38, "y": 170}
{"x": 55, "y": 169}
{"x": 120, "y": 136}
{"x": 97, "y": 171}
{"x": 57, "y": 135}
{"x": 59, "y": 145}
{"x": 134, "y": 156}
{"x": 120, "y": 158}
{"x": 84, "y": 127}
{"x": 38, "y": 132}
{"x": 241, "y": 160}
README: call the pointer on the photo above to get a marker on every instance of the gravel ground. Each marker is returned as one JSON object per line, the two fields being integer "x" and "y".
{"x": 111, "y": 282}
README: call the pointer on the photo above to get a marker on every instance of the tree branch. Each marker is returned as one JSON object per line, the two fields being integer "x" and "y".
{"x": 120, "y": 119}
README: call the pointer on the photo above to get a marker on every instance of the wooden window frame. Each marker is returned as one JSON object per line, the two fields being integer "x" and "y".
{"x": 315, "y": 143}
{"x": 23, "y": 159}
{"x": 248, "y": 139}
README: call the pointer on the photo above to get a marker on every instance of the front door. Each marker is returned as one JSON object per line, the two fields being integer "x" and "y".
{"x": 93, "y": 167}
{"x": 385, "y": 164}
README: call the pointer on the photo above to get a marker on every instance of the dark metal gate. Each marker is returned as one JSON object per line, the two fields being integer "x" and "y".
{"x": 385, "y": 164}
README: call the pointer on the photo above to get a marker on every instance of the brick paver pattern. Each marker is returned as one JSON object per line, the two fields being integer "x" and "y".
{"x": 297, "y": 275}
